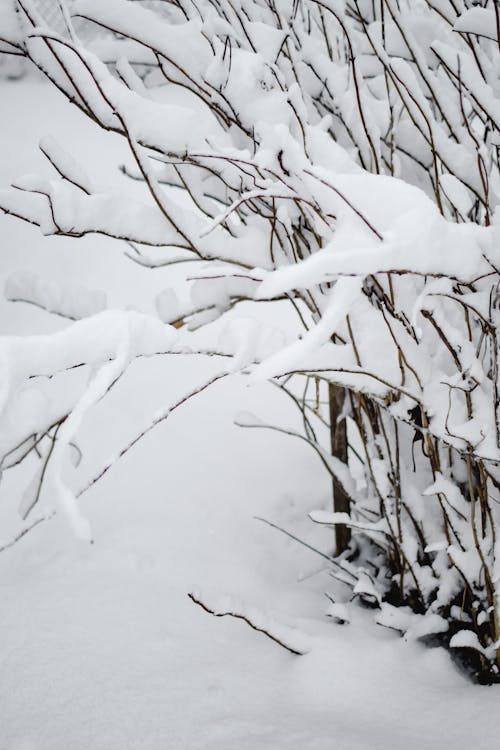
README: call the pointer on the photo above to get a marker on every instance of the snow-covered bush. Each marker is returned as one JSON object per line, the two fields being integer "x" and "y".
{"x": 339, "y": 156}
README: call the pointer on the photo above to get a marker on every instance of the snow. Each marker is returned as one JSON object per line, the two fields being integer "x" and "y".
{"x": 100, "y": 645}
{"x": 65, "y": 164}
{"x": 11, "y": 32}
{"x": 70, "y": 301}
{"x": 466, "y": 639}
{"x": 338, "y": 305}
{"x": 283, "y": 635}
{"x": 481, "y": 21}
{"x": 260, "y": 120}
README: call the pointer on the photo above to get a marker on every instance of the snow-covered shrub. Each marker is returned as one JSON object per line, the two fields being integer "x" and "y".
{"x": 339, "y": 156}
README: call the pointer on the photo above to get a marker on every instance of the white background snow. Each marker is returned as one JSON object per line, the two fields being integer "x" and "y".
{"x": 100, "y": 647}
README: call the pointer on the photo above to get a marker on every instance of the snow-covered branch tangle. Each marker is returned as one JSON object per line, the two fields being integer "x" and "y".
{"x": 341, "y": 155}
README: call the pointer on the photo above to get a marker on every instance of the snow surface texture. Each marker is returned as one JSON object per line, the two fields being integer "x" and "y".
{"x": 307, "y": 149}
{"x": 100, "y": 646}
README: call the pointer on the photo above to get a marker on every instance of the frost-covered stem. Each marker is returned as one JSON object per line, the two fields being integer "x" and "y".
{"x": 241, "y": 616}
{"x": 483, "y": 172}
{"x": 338, "y": 440}
{"x": 366, "y": 411}
{"x": 495, "y": 378}
{"x": 420, "y": 66}
{"x": 26, "y": 511}
{"x": 352, "y": 60}
{"x": 154, "y": 423}
{"x": 497, "y": 21}
{"x": 490, "y": 589}
{"x": 26, "y": 530}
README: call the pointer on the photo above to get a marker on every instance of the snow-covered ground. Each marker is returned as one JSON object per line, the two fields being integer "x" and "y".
{"x": 100, "y": 646}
